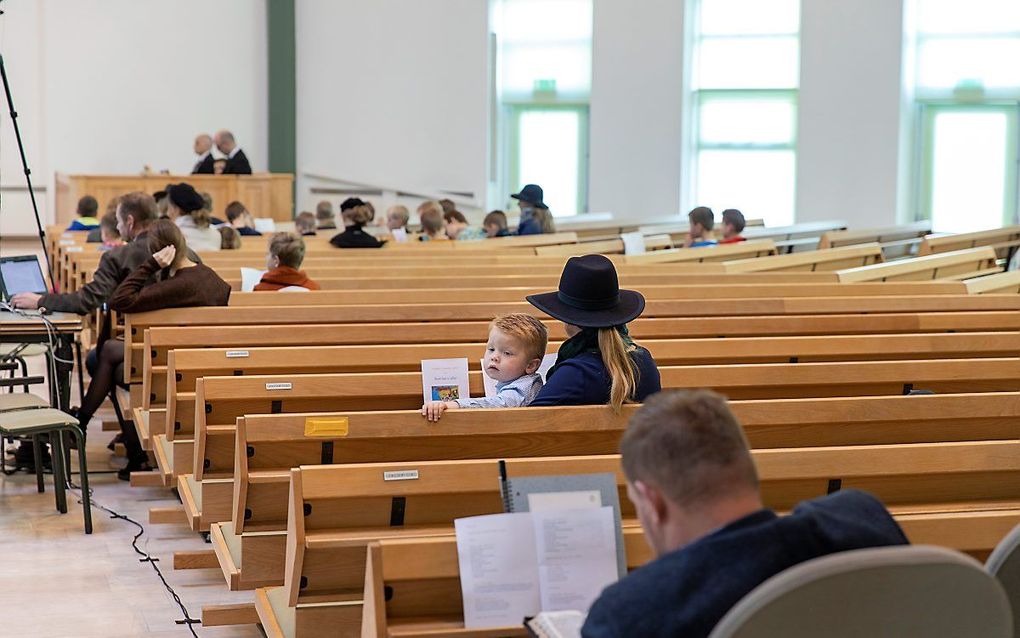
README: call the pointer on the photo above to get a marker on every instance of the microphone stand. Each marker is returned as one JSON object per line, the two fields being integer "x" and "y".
{"x": 28, "y": 171}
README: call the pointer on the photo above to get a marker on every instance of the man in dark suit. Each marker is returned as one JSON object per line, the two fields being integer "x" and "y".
{"x": 694, "y": 485}
{"x": 203, "y": 148}
{"x": 237, "y": 161}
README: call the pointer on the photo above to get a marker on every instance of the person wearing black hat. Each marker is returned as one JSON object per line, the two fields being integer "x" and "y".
{"x": 598, "y": 364}
{"x": 535, "y": 216}
{"x": 358, "y": 213}
{"x": 187, "y": 209}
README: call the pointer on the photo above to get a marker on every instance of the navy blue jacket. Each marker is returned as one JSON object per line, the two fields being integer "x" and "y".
{"x": 529, "y": 226}
{"x": 246, "y": 231}
{"x": 584, "y": 380}
{"x": 687, "y": 592}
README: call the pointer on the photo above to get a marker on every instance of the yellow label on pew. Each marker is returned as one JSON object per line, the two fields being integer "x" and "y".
{"x": 336, "y": 426}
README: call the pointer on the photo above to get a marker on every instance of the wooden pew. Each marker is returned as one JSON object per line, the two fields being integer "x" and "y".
{"x": 1003, "y": 240}
{"x": 220, "y": 401}
{"x": 653, "y": 292}
{"x": 602, "y": 247}
{"x": 136, "y": 324}
{"x": 998, "y": 284}
{"x": 957, "y": 265}
{"x": 274, "y": 443}
{"x": 150, "y": 415}
{"x": 897, "y": 241}
{"x": 185, "y": 367}
{"x": 335, "y": 510}
{"x": 723, "y": 252}
{"x": 812, "y": 261}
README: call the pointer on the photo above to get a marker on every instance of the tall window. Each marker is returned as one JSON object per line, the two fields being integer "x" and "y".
{"x": 541, "y": 91}
{"x": 967, "y": 90}
{"x": 745, "y": 72}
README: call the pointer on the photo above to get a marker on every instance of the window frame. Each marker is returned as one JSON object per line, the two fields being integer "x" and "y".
{"x": 515, "y": 110}
{"x": 926, "y": 111}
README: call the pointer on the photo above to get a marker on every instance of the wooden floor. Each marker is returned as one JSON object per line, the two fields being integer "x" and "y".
{"x": 59, "y": 583}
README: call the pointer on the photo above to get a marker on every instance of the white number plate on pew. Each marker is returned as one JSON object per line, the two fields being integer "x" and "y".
{"x": 279, "y": 386}
{"x": 401, "y": 475}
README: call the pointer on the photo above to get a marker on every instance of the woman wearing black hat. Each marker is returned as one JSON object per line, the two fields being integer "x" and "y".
{"x": 187, "y": 208}
{"x": 535, "y": 216}
{"x": 358, "y": 213}
{"x": 599, "y": 363}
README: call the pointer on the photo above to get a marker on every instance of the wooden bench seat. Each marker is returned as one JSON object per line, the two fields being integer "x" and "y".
{"x": 1003, "y": 240}
{"x": 254, "y": 500}
{"x": 231, "y": 316}
{"x": 220, "y": 400}
{"x": 811, "y": 261}
{"x": 896, "y": 241}
{"x": 160, "y": 340}
{"x": 325, "y": 527}
{"x": 1003, "y": 283}
{"x": 720, "y": 253}
{"x": 956, "y": 265}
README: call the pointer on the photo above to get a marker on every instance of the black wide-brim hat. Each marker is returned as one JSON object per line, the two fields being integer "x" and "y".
{"x": 185, "y": 197}
{"x": 589, "y": 295}
{"x": 531, "y": 194}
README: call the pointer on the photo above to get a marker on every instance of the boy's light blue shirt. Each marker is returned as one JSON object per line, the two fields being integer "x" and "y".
{"x": 510, "y": 394}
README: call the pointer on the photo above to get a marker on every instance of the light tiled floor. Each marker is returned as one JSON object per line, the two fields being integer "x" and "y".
{"x": 56, "y": 582}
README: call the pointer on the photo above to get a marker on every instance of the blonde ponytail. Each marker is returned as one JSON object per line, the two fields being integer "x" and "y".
{"x": 622, "y": 371}
{"x": 201, "y": 217}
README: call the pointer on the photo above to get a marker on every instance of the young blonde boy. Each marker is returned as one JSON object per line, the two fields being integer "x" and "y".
{"x": 513, "y": 355}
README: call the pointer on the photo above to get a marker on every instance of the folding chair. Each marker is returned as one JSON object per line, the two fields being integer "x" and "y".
{"x": 1004, "y": 564}
{"x": 889, "y": 592}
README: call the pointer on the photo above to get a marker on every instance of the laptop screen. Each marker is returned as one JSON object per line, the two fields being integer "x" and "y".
{"x": 21, "y": 274}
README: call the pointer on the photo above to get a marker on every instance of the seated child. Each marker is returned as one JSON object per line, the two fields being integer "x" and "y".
{"x": 495, "y": 224}
{"x": 397, "y": 217}
{"x": 286, "y": 252}
{"x": 87, "y": 208}
{"x": 732, "y": 226}
{"x": 305, "y": 224}
{"x": 230, "y": 239}
{"x": 513, "y": 355}
{"x": 242, "y": 221}
{"x": 457, "y": 227}
{"x": 701, "y": 222}
{"x": 109, "y": 233}
{"x": 433, "y": 227}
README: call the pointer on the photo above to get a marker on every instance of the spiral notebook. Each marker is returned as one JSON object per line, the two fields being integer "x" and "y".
{"x": 572, "y": 491}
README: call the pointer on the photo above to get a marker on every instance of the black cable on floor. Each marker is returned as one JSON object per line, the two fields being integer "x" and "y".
{"x": 146, "y": 558}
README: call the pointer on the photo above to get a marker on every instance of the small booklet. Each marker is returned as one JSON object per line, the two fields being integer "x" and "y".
{"x": 555, "y": 624}
{"x": 516, "y": 565}
{"x": 265, "y": 224}
{"x": 489, "y": 383}
{"x": 250, "y": 277}
{"x": 633, "y": 243}
{"x": 444, "y": 379}
{"x": 569, "y": 491}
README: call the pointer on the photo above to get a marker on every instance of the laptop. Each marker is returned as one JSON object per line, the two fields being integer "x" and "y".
{"x": 21, "y": 274}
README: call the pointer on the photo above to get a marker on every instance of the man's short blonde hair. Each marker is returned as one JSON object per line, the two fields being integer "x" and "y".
{"x": 529, "y": 331}
{"x": 289, "y": 248}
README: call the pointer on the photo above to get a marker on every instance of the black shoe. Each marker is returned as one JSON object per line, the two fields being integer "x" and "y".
{"x": 134, "y": 466}
{"x": 72, "y": 441}
{"x": 112, "y": 445}
{"x": 24, "y": 458}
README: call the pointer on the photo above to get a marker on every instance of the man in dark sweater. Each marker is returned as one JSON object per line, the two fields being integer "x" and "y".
{"x": 693, "y": 482}
{"x": 135, "y": 213}
{"x": 237, "y": 161}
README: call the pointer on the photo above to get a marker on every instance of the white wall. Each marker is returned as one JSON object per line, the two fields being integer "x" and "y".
{"x": 393, "y": 92}
{"x": 849, "y": 131}
{"x": 636, "y": 107}
{"x": 128, "y": 83}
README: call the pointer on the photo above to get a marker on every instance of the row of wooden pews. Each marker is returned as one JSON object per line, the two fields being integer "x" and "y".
{"x": 277, "y": 419}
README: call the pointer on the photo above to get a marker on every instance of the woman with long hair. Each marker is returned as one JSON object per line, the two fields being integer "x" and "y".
{"x": 179, "y": 282}
{"x": 187, "y": 209}
{"x": 599, "y": 364}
